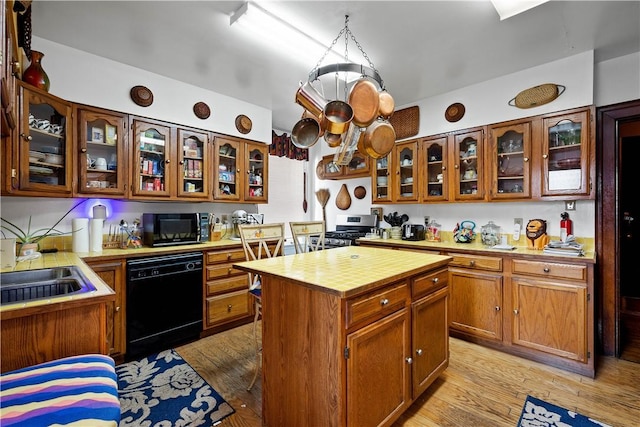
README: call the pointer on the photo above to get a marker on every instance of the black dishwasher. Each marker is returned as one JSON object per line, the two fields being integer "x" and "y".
{"x": 164, "y": 302}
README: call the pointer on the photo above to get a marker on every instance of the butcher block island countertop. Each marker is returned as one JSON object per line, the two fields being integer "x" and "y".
{"x": 350, "y": 336}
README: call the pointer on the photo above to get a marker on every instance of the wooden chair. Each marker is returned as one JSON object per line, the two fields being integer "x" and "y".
{"x": 260, "y": 241}
{"x": 302, "y": 232}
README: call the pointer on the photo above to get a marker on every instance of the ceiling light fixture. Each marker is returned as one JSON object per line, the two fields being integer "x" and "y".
{"x": 508, "y": 8}
{"x": 357, "y": 119}
{"x": 275, "y": 31}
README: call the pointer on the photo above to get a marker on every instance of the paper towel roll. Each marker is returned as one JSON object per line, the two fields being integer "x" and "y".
{"x": 95, "y": 237}
{"x": 80, "y": 235}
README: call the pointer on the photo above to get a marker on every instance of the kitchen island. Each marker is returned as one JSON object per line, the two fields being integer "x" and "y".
{"x": 351, "y": 336}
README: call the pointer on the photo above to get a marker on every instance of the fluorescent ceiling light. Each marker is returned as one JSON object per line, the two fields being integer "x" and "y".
{"x": 508, "y": 8}
{"x": 274, "y": 31}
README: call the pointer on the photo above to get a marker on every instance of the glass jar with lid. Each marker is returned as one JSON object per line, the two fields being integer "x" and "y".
{"x": 490, "y": 234}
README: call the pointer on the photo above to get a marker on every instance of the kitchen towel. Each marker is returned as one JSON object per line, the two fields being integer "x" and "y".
{"x": 80, "y": 234}
{"x": 95, "y": 237}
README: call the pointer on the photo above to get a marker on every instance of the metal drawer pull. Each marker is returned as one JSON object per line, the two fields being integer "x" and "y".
{"x": 435, "y": 280}
{"x": 229, "y": 308}
{"x": 497, "y": 308}
{"x": 515, "y": 311}
{"x": 472, "y": 263}
{"x": 546, "y": 269}
{"x": 409, "y": 360}
{"x": 384, "y": 301}
{"x": 419, "y": 352}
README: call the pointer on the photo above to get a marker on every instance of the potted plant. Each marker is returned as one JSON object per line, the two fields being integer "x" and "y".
{"x": 27, "y": 239}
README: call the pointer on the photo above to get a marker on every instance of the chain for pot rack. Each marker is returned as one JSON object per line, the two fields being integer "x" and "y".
{"x": 369, "y": 71}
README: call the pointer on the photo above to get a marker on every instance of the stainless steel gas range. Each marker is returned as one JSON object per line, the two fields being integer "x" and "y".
{"x": 349, "y": 227}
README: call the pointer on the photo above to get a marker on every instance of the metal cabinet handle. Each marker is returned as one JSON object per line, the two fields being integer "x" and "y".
{"x": 456, "y": 166}
{"x": 229, "y": 308}
{"x": 444, "y": 168}
{"x": 419, "y": 352}
{"x": 168, "y": 161}
{"x": 117, "y": 309}
{"x": 546, "y": 269}
{"x": 435, "y": 280}
{"x": 497, "y": 308}
{"x": 545, "y": 156}
{"x": 409, "y": 360}
{"x": 384, "y": 302}
{"x": 181, "y": 162}
{"x": 83, "y": 150}
{"x": 26, "y": 137}
{"x": 516, "y": 311}
{"x": 526, "y": 159}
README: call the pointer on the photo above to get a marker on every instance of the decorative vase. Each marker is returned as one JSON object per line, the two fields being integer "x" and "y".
{"x": 35, "y": 74}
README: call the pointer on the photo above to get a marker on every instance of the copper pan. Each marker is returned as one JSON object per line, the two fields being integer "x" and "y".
{"x": 305, "y": 133}
{"x": 378, "y": 139}
{"x": 308, "y": 114}
{"x": 365, "y": 101}
{"x": 337, "y": 117}
{"x": 387, "y": 104}
{"x": 333, "y": 139}
{"x": 310, "y": 99}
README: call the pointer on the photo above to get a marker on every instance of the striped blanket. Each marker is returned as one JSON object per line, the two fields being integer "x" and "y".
{"x": 74, "y": 391}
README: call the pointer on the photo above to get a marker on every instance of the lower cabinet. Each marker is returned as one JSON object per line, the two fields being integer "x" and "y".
{"x": 226, "y": 294}
{"x": 113, "y": 273}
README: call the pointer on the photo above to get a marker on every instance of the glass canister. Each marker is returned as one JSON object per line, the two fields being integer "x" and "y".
{"x": 490, "y": 234}
{"x": 433, "y": 231}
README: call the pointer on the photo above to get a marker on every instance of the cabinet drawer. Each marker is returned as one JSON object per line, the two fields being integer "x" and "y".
{"x": 220, "y": 286}
{"x": 228, "y": 307}
{"x": 375, "y": 304}
{"x": 550, "y": 269}
{"x": 218, "y": 271}
{"x": 230, "y": 255}
{"x": 476, "y": 261}
{"x": 429, "y": 282}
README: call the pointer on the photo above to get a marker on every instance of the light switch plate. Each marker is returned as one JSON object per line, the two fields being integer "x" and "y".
{"x": 570, "y": 205}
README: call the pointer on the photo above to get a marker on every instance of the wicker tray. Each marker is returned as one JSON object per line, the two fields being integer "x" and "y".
{"x": 537, "y": 95}
{"x": 406, "y": 122}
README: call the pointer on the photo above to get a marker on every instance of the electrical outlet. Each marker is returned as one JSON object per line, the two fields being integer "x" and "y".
{"x": 570, "y": 205}
{"x": 519, "y": 222}
{"x": 225, "y": 218}
{"x": 426, "y": 220}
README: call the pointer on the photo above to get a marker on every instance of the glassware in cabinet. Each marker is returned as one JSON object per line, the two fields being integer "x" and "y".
{"x": 381, "y": 176}
{"x": 565, "y": 155}
{"x": 45, "y": 143}
{"x": 257, "y": 172}
{"x": 152, "y": 159}
{"x": 227, "y": 163}
{"x": 435, "y": 174}
{"x": 405, "y": 184}
{"x": 468, "y": 166}
{"x": 102, "y": 142}
{"x": 193, "y": 176}
{"x": 510, "y": 161}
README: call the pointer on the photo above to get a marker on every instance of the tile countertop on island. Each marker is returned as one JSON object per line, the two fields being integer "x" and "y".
{"x": 476, "y": 246}
{"x": 346, "y": 271}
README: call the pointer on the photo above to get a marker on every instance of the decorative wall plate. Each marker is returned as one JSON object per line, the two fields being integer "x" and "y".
{"x": 243, "y": 124}
{"x": 201, "y": 110}
{"x": 142, "y": 96}
{"x": 454, "y": 112}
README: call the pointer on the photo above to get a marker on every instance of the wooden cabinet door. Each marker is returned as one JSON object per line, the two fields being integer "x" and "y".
{"x": 378, "y": 374}
{"x": 566, "y": 154}
{"x": 468, "y": 178}
{"x": 113, "y": 273}
{"x": 228, "y": 159}
{"x": 475, "y": 303}
{"x": 381, "y": 179}
{"x": 101, "y": 135}
{"x": 256, "y": 173}
{"x": 405, "y": 172}
{"x": 194, "y": 164}
{"x": 550, "y": 316}
{"x": 45, "y": 143}
{"x": 435, "y": 177}
{"x": 152, "y": 165}
{"x": 509, "y": 161}
{"x": 430, "y": 328}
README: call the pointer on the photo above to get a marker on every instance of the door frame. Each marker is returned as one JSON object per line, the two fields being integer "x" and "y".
{"x": 607, "y": 221}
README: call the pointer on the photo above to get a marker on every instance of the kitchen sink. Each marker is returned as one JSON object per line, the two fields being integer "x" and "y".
{"x": 30, "y": 285}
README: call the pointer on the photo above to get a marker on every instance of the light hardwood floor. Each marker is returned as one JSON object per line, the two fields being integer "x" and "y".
{"x": 481, "y": 387}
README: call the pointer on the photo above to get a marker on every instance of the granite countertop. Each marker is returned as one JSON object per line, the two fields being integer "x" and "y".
{"x": 477, "y": 246}
{"x": 346, "y": 271}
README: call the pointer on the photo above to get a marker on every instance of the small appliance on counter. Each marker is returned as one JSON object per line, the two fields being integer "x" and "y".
{"x": 413, "y": 232}
{"x": 167, "y": 229}
{"x": 238, "y": 217}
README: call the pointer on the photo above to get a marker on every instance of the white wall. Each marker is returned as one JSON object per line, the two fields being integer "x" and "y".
{"x": 617, "y": 80}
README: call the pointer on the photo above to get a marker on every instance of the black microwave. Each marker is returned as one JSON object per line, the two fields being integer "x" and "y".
{"x": 167, "y": 229}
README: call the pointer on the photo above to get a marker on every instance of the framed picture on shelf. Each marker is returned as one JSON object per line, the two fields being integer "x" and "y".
{"x": 97, "y": 135}
{"x": 110, "y": 134}
{"x": 377, "y": 212}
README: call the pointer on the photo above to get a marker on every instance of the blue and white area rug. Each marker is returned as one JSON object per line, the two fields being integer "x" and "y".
{"x": 538, "y": 413}
{"x": 163, "y": 390}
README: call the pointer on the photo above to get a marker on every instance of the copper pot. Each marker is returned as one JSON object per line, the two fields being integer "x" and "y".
{"x": 386, "y": 104}
{"x": 333, "y": 139}
{"x": 311, "y": 99}
{"x": 305, "y": 133}
{"x": 378, "y": 139}
{"x": 365, "y": 101}
{"x": 337, "y": 116}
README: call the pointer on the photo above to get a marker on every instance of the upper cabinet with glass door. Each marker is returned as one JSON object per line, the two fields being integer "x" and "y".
{"x": 101, "y": 146}
{"x": 404, "y": 181}
{"x": 380, "y": 181}
{"x": 510, "y": 165}
{"x": 435, "y": 177}
{"x": 151, "y": 167}
{"x": 227, "y": 161}
{"x": 194, "y": 163}
{"x": 468, "y": 166}
{"x": 257, "y": 172}
{"x": 566, "y": 154}
{"x": 44, "y": 144}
